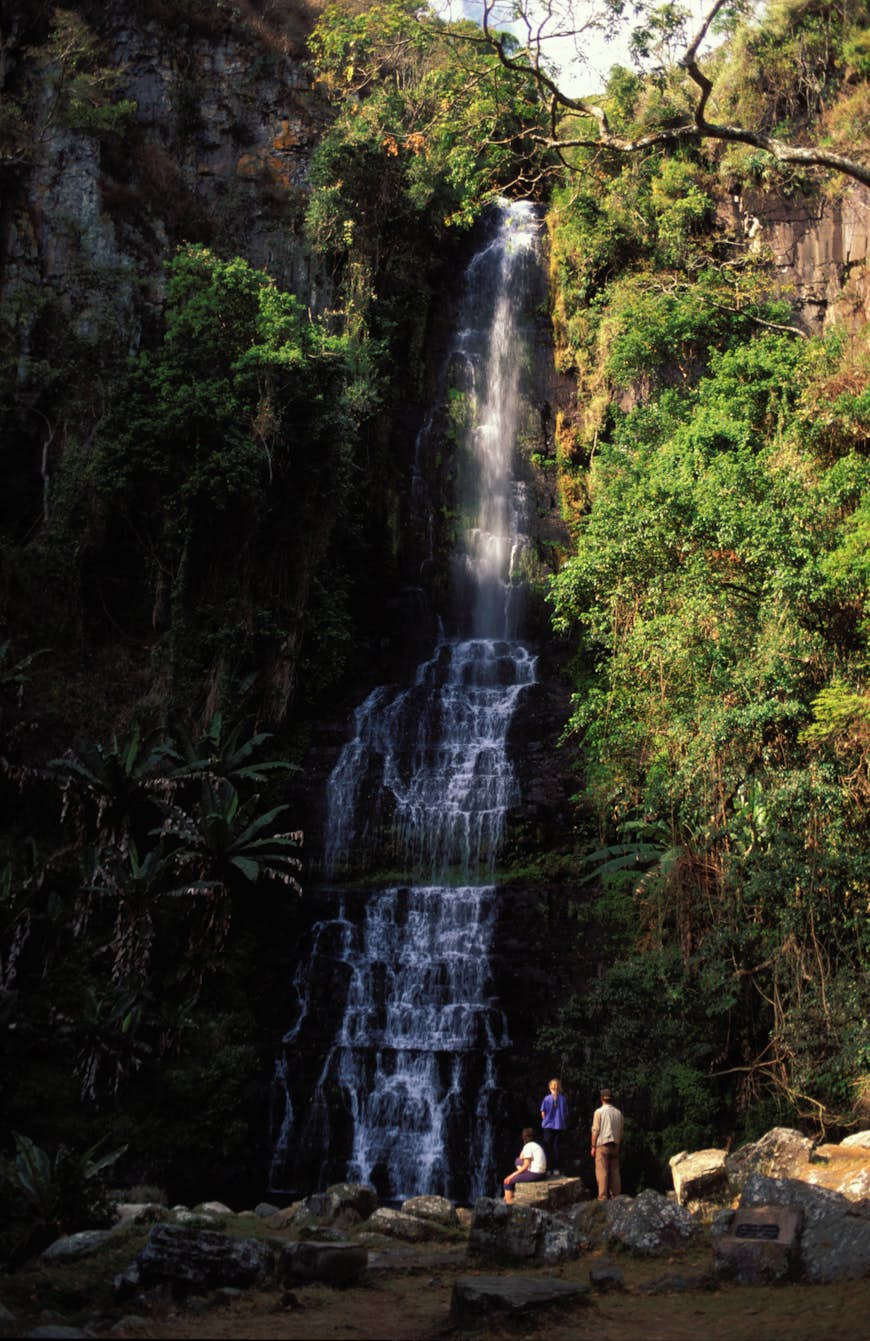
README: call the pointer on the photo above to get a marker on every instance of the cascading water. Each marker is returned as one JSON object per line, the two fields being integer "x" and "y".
{"x": 405, "y": 1096}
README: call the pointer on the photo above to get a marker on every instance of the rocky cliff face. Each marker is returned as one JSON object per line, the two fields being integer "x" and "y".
{"x": 214, "y": 149}
{"x": 819, "y": 247}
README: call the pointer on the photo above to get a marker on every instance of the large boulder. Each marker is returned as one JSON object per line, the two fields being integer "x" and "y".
{"x": 359, "y": 1197}
{"x": 341, "y": 1206}
{"x": 861, "y": 1139}
{"x": 283, "y": 1218}
{"x": 334, "y": 1263}
{"x": 835, "y": 1240}
{"x": 72, "y": 1246}
{"x": 411, "y": 1228}
{"x": 504, "y": 1235}
{"x": 439, "y": 1209}
{"x": 842, "y": 1168}
{"x": 479, "y": 1299}
{"x": 140, "y": 1212}
{"x": 323, "y": 1209}
{"x": 700, "y": 1176}
{"x": 780, "y": 1153}
{"x": 646, "y": 1224}
{"x": 193, "y": 1260}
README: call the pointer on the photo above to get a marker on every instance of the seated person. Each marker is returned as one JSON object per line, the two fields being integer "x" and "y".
{"x": 530, "y": 1165}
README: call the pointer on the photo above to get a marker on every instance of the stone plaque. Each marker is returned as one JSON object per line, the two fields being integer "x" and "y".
{"x": 760, "y": 1245}
{"x": 747, "y": 1231}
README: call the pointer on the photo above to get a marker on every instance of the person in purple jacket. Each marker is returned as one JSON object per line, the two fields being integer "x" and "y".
{"x": 554, "y": 1120}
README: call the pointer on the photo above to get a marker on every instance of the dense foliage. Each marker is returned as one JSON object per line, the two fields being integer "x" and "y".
{"x": 205, "y": 532}
{"x": 715, "y": 473}
{"x": 197, "y": 533}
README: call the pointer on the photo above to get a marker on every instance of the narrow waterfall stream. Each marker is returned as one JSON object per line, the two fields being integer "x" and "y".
{"x": 406, "y": 1095}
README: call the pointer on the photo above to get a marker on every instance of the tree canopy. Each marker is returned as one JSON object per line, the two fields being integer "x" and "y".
{"x": 798, "y": 50}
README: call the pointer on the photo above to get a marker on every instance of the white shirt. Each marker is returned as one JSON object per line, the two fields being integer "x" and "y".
{"x": 531, "y": 1150}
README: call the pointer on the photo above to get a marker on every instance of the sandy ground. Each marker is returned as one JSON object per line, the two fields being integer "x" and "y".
{"x": 414, "y": 1306}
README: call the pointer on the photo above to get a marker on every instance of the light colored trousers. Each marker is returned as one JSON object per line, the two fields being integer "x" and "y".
{"x": 607, "y": 1170}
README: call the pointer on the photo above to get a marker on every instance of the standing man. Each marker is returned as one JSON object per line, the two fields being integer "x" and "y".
{"x": 607, "y": 1124}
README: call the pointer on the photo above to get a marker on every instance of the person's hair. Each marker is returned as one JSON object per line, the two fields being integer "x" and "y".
{"x": 557, "y": 1083}
{"x": 605, "y": 1094}
{"x": 528, "y": 1133}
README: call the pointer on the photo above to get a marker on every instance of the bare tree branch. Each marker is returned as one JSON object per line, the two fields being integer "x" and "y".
{"x": 527, "y": 63}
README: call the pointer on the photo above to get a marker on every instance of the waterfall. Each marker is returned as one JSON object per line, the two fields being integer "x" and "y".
{"x": 406, "y": 1095}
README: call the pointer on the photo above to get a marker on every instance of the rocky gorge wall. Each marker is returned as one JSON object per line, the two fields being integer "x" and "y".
{"x": 818, "y": 247}
{"x": 215, "y": 149}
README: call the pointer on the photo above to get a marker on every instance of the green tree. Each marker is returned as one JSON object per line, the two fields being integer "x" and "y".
{"x": 801, "y": 49}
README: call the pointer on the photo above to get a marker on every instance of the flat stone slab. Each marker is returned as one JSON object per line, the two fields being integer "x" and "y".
{"x": 554, "y": 1194}
{"x": 477, "y": 1298}
{"x": 335, "y": 1263}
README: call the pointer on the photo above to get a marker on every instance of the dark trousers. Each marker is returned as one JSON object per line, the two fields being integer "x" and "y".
{"x": 550, "y": 1141}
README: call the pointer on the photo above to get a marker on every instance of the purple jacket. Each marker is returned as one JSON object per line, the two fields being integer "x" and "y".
{"x": 555, "y": 1112}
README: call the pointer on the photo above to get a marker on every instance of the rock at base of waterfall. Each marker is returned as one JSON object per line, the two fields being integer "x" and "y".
{"x": 835, "y": 1240}
{"x": 411, "y": 1228}
{"x": 333, "y": 1263}
{"x": 283, "y": 1218}
{"x": 700, "y": 1176}
{"x": 71, "y": 1246}
{"x": 646, "y": 1224}
{"x": 758, "y": 1245}
{"x": 782, "y": 1152}
{"x": 506, "y": 1234}
{"x": 196, "y": 1220}
{"x": 359, "y": 1197}
{"x": 325, "y": 1208}
{"x": 552, "y": 1195}
{"x": 193, "y": 1260}
{"x": 265, "y": 1209}
{"x": 139, "y": 1212}
{"x": 478, "y": 1298}
{"x": 439, "y": 1209}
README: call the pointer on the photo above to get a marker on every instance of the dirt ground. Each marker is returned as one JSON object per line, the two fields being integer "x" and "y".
{"x": 415, "y": 1306}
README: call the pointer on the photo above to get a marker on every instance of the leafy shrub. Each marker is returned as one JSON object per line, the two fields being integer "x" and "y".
{"x": 50, "y": 1195}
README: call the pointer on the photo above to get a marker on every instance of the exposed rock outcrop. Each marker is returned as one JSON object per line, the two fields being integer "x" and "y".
{"x": 819, "y": 246}
{"x": 479, "y": 1299}
{"x": 835, "y": 1239}
{"x": 506, "y": 1235}
{"x": 192, "y": 1260}
{"x": 646, "y": 1224}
